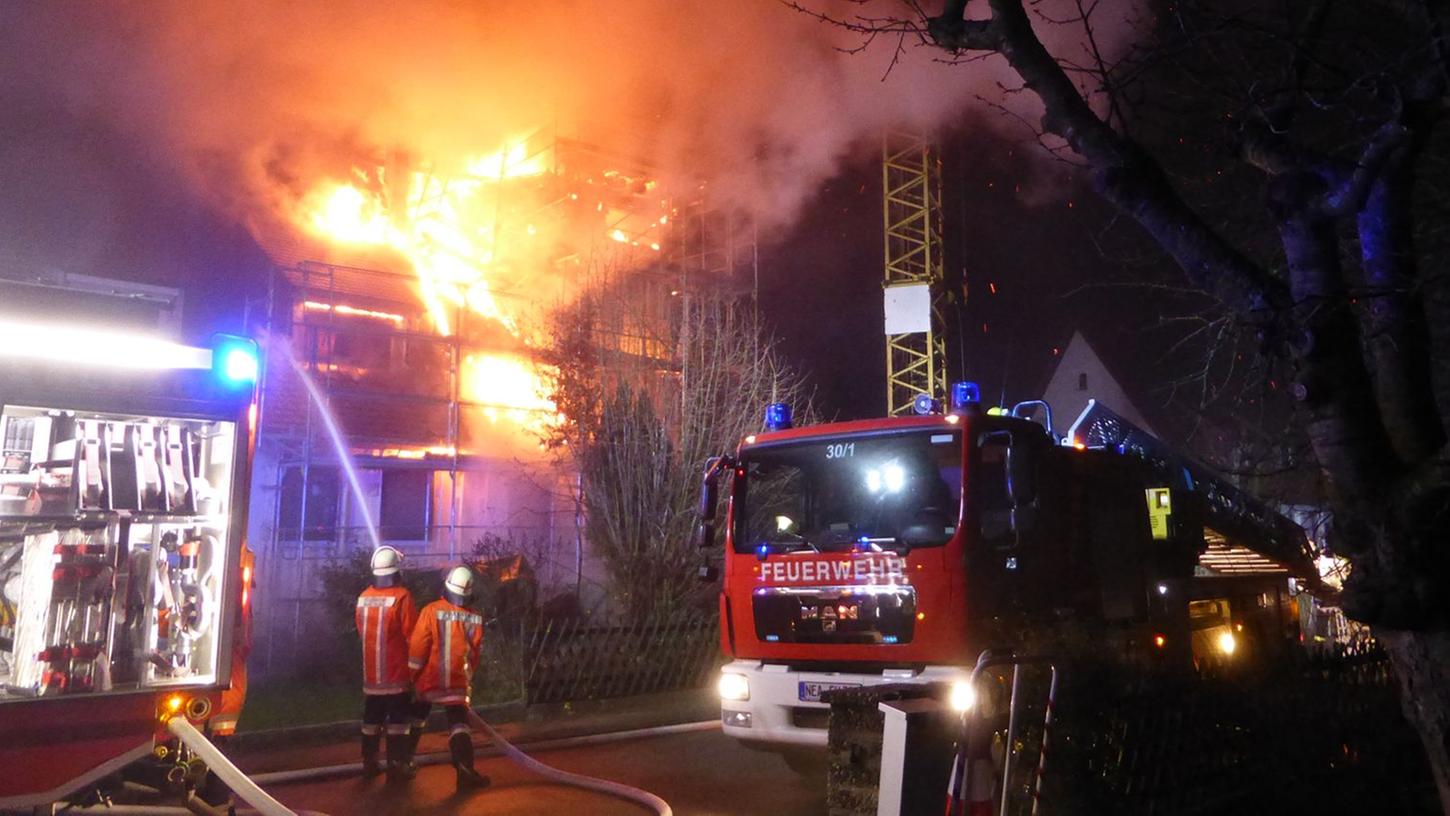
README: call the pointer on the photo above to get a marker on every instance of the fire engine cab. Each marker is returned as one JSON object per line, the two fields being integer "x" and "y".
{"x": 890, "y": 550}
{"x": 123, "y": 496}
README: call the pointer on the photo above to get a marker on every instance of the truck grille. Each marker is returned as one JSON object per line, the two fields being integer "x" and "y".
{"x": 835, "y": 615}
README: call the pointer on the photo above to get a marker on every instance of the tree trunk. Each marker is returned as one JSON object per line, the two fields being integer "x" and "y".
{"x": 1420, "y": 659}
{"x": 1396, "y": 335}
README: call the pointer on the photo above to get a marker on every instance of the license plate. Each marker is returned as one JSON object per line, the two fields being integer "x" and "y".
{"x": 811, "y": 692}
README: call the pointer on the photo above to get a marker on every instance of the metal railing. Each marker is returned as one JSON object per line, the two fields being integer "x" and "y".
{"x": 961, "y": 789}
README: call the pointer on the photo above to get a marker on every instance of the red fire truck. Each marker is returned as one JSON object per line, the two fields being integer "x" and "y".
{"x": 123, "y": 497}
{"x": 885, "y": 551}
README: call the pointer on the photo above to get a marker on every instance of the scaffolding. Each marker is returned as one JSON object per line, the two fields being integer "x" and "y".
{"x": 912, "y": 287}
{"x": 394, "y": 378}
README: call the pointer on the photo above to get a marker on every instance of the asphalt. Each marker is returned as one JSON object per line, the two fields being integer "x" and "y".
{"x": 695, "y": 768}
{"x": 337, "y": 743}
{"x": 697, "y": 772}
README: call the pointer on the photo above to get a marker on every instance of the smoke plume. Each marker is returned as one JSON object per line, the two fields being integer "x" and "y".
{"x": 252, "y": 103}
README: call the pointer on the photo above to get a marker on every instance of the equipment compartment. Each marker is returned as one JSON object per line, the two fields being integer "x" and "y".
{"x": 113, "y": 550}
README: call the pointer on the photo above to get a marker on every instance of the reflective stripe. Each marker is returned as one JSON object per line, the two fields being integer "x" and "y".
{"x": 445, "y": 656}
{"x": 458, "y": 729}
{"x": 375, "y": 601}
{"x": 398, "y": 730}
{"x": 381, "y": 662}
{"x": 458, "y": 616}
{"x": 367, "y": 622}
{"x": 372, "y": 730}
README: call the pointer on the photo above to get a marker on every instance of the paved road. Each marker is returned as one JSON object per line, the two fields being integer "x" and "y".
{"x": 697, "y": 773}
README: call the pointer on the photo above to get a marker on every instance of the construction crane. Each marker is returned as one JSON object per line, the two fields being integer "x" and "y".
{"x": 912, "y": 288}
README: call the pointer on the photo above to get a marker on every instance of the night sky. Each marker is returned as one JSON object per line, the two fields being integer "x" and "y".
{"x": 1020, "y": 242}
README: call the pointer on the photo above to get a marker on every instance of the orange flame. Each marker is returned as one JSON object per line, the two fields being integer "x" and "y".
{"x": 454, "y": 234}
{"x": 508, "y": 387}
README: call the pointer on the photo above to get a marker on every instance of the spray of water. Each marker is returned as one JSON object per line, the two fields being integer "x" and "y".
{"x": 344, "y": 456}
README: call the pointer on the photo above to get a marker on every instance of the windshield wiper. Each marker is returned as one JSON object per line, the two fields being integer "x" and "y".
{"x": 793, "y": 545}
{"x": 898, "y": 545}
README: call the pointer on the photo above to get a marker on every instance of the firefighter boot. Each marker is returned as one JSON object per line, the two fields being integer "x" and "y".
{"x": 414, "y": 735}
{"x": 400, "y": 759}
{"x": 460, "y": 744}
{"x": 370, "y": 744}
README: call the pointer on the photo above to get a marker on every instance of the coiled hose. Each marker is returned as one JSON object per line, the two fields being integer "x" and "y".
{"x": 616, "y": 789}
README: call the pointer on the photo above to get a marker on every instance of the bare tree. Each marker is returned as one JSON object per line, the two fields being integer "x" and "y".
{"x": 653, "y": 379}
{"x": 1328, "y": 110}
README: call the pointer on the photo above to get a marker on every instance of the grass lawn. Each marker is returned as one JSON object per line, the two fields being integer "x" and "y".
{"x": 286, "y": 703}
{"x": 295, "y": 702}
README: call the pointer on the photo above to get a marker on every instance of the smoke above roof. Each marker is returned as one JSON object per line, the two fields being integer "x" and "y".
{"x": 253, "y": 103}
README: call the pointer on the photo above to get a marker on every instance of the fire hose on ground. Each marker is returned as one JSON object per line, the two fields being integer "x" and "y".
{"x": 248, "y": 791}
{"x": 615, "y": 789}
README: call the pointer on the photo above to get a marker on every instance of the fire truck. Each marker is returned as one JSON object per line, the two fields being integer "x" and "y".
{"x": 123, "y": 591}
{"x": 891, "y": 551}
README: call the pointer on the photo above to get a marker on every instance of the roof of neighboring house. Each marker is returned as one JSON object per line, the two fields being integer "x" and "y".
{"x": 1082, "y": 375}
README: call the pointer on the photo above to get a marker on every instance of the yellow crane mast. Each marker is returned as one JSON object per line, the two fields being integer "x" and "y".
{"x": 912, "y": 288}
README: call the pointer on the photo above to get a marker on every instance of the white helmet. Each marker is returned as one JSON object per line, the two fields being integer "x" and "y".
{"x": 459, "y": 581}
{"x": 386, "y": 561}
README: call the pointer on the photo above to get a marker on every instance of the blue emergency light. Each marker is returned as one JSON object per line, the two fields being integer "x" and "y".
{"x": 926, "y": 404}
{"x": 965, "y": 395}
{"x": 234, "y": 360}
{"x": 777, "y": 416}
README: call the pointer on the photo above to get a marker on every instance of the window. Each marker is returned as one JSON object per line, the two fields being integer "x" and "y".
{"x": 1082, "y": 381}
{"x": 833, "y": 495}
{"x": 404, "y": 512}
{"x": 322, "y": 504}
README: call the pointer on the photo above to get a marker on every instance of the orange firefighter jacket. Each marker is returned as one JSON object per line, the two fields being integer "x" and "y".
{"x": 384, "y": 619}
{"x": 444, "y": 651}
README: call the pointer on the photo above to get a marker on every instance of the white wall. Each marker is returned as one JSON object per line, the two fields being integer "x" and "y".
{"x": 1068, "y": 399}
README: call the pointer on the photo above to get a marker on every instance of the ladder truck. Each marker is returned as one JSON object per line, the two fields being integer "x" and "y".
{"x": 881, "y": 551}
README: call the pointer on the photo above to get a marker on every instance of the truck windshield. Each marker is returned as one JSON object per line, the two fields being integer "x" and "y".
{"x": 888, "y": 491}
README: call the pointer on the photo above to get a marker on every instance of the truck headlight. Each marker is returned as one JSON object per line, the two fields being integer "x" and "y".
{"x": 1226, "y": 643}
{"x": 733, "y": 686}
{"x": 963, "y": 696}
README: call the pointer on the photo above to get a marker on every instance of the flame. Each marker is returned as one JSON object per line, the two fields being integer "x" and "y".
{"x": 488, "y": 221}
{"x": 510, "y": 161}
{"x": 508, "y": 387}
{"x": 431, "y": 229}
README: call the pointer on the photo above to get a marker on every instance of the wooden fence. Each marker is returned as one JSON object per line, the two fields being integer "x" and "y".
{"x": 576, "y": 659}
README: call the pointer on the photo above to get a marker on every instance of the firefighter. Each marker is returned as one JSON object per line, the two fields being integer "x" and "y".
{"x": 385, "y": 615}
{"x": 442, "y": 654}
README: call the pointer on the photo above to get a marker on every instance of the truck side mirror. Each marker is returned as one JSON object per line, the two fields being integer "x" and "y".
{"x": 1021, "y": 473}
{"x": 709, "y": 500}
{"x": 709, "y": 494}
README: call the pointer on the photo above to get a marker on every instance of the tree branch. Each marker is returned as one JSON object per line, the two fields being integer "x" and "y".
{"x": 1126, "y": 175}
{"x": 1349, "y": 195}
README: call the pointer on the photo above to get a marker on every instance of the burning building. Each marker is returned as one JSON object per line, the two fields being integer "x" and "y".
{"x": 403, "y": 325}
